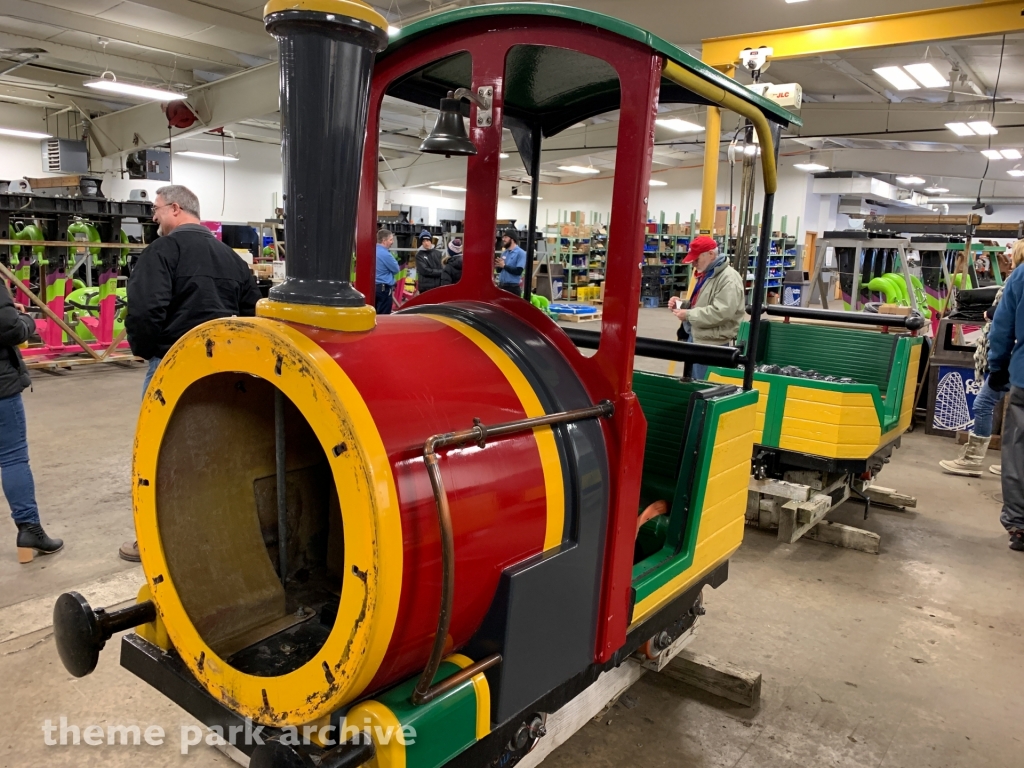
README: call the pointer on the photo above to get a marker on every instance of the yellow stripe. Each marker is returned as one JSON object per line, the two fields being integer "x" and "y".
{"x": 554, "y": 486}
{"x": 390, "y": 755}
{"x": 483, "y": 695}
{"x": 348, "y": 319}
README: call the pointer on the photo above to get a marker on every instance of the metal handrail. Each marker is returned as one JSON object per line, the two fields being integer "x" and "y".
{"x": 479, "y": 434}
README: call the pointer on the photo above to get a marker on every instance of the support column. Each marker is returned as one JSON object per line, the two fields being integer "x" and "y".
{"x": 712, "y": 144}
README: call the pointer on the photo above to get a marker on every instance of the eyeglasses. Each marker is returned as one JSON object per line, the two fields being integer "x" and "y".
{"x": 165, "y": 205}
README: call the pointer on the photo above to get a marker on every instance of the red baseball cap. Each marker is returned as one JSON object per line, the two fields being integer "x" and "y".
{"x": 700, "y": 245}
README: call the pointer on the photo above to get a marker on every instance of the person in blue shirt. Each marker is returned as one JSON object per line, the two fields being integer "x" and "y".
{"x": 1006, "y": 366}
{"x": 512, "y": 264}
{"x": 387, "y": 268}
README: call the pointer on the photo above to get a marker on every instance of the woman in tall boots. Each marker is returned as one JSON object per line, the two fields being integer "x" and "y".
{"x": 15, "y": 473}
{"x": 971, "y": 460}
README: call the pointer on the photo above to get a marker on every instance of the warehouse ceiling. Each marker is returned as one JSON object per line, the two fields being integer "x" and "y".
{"x": 48, "y": 48}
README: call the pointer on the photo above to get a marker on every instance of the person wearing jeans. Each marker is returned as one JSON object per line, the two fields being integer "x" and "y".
{"x": 972, "y": 455}
{"x": 1006, "y": 366}
{"x": 15, "y": 473}
{"x": 184, "y": 278}
{"x": 154, "y": 363}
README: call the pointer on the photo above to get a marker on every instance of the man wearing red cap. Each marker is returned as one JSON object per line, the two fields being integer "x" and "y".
{"x": 716, "y": 306}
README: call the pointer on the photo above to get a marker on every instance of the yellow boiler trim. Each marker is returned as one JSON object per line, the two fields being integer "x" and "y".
{"x": 681, "y": 76}
{"x": 554, "y": 485}
{"x": 349, "y": 319}
{"x": 372, "y": 527}
{"x": 483, "y": 695}
{"x": 354, "y": 8}
{"x": 154, "y": 631}
{"x": 391, "y": 754}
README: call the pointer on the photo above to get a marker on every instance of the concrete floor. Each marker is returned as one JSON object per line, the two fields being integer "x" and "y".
{"x": 909, "y": 658}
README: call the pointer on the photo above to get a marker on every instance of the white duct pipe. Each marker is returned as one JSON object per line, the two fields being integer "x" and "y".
{"x": 974, "y": 200}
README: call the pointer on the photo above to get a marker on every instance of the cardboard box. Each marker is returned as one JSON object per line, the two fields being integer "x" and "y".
{"x": 893, "y": 309}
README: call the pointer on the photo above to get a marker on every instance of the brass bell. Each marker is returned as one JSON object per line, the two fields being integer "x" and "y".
{"x": 449, "y": 136}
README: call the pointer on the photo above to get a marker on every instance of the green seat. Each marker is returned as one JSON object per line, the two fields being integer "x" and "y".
{"x": 665, "y": 402}
{"x": 675, "y": 425}
{"x": 864, "y": 356}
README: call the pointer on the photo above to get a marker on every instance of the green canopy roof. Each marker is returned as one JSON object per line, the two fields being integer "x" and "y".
{"x": 556, "y": 87}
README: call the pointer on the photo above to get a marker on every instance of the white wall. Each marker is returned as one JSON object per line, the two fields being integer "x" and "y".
{"x": 682, "y": 196}
{"x": 231, "y": 192}
{"x": 21, "y": 157}
{"x": 508, "y": 208}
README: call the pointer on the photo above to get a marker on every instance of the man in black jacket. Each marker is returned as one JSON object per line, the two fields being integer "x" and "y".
{"x": 429, "y": 264}
{"x": 15, "y": 472}
{"x": 185, "y": 278}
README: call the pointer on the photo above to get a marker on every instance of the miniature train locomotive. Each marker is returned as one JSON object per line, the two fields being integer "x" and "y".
{"x": 431, "y": 519}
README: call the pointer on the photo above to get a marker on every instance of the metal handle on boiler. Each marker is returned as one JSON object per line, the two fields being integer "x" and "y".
{"x": 479, "y": 434}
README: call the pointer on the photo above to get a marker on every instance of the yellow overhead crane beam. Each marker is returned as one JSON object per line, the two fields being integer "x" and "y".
{"x": 993, "y": 17}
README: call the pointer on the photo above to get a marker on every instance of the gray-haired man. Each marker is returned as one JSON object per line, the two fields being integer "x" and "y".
{"x": 185, "y": 278}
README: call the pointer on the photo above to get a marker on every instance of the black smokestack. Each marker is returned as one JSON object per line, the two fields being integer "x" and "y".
{"x": 327, "y": 52}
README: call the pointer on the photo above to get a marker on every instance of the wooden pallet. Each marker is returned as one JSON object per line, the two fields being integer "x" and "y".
{"x": 579, "y": 318}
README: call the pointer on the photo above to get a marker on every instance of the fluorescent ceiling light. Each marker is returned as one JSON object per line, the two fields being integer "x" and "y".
{"x": 578, "y": 169}
{"x": 960, "y": 129}
{"x": 657, "y": 183}
{"x": 207, "y": 156}
{"x": 896, "y": 77}
{"x": 796, "y": 1}
{"x": 927, "y": 75}
{"x": 983, "y": 128}
{"x": 910, "y": 180}
{"x": 1016, "y": 172}
{"x": 24, "y": 134}
{"x": 992, "y": 154}
{"x": 680, "y": 126}
{"x": 524, "y": 197}
{"x": 446, "y": 188}
{"x": 811, "y": 167}
{"x": 751, "y": 149}
{"x": 1010, "y": 154}
{"x": 503, "y": 155}
{"x": 112, "y": 85}
{"x": 936, "y": 190}
{"x": 392, "y": 31}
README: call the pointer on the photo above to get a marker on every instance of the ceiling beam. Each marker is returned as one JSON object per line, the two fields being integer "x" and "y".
{"x": 49, "y": 99}
{"x": 909, "y": 122}
{"x": 977, "y": 84}
{"x": 33, "y": 97}
{"x": 206, "y": 14}
{"x": 134, "y": 36}
{"x": 846, "y": 68}
{"x": 252, "y": 93}
{"x": 96, "y": 61}
{"x": 995, "y": 17}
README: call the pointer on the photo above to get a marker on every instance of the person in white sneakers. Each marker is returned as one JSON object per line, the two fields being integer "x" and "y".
{"x": 971, "y": 460}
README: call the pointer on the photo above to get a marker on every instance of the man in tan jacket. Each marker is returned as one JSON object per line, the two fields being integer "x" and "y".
{"x": 717, "y": 303}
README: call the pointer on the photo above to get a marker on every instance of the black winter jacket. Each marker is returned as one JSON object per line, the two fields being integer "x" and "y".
{"x": 452, "y": 270}
{"x": 15, "y": 328}
{"x": 428, "y": 268}
{"x": 182, "y": 280}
